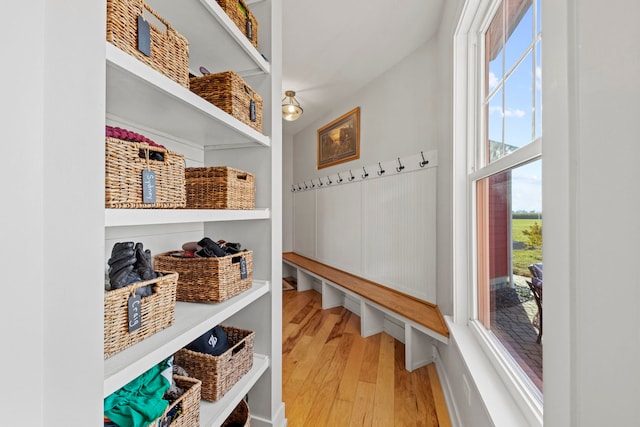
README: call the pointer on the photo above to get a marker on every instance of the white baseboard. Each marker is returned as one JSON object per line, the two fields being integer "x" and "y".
{"x": 454, "y": 415}
{"x": 278, "y": 420}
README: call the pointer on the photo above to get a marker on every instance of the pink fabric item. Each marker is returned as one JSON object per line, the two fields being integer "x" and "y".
{"x": 127, "y": 135}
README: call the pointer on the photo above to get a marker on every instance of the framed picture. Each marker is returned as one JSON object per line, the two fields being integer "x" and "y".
{"x": 339, "y": 141}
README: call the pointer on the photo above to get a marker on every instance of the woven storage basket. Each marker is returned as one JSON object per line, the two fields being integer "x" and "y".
{"x": 208, "y": 279}
{"x": 239, "y": 416}
{"x": 219, "y": 373}
{"x": 231, "y": 94}
{"x": 157, "y": 312}
{"x": 169, "y": 49}
{"x": 123, "y": 176}
{"x": 240, "y": 14}
{"x": 188, "y": 405}
{"x": 219, "y": 187}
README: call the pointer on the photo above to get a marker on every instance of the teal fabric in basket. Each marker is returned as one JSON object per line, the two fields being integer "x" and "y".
{"x": 140, "y": 402}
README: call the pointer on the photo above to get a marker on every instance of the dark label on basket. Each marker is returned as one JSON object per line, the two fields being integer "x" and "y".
{"x": 252, "y": 110}
{"x": 148, "y": 186}
{"x": 134, "y": 307}
{"x": 243, "y": 268}
{"x": 144, "y": 36}
{"x": 249, "y": 29}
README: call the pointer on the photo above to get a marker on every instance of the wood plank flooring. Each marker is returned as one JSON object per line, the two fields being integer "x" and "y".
{"x": 333, "y": 377}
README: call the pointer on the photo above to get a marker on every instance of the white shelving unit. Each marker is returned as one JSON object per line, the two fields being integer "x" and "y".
{"x": 130, "y": 217}
{"x": 138, "y": 96}
{"x": 192, "y": 320}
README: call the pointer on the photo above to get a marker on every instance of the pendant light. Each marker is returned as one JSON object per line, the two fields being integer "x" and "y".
{"x": 291, "y": 109}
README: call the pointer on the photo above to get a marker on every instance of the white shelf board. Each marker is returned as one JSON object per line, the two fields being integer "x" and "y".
{"x": 140, "y": 94}
{"x": 128, "y": 217}
{"x": 213, "y": 414}
{"x": 191, "y": 321}
{"x": 215, "y": 41}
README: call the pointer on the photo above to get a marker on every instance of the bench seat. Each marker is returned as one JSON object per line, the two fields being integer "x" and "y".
{"x": 422, "y": 320}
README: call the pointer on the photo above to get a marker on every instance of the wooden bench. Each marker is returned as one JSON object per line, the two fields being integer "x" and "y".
{"x": 422, "y": 320}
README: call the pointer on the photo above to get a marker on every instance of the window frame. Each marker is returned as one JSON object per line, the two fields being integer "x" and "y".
{"x": 469, "y": 128}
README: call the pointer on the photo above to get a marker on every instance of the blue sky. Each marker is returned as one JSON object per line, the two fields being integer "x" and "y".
{"x": 514, "y": 110}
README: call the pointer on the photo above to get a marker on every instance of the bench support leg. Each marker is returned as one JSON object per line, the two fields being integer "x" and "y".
{"x": 331, "y": 297}
{"x": 305, "y": 282}
{"x": 418, "y": 349}
{"x": 371, "y": 320}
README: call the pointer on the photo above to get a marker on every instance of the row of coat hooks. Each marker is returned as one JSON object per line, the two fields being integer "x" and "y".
{"x": 381, "y": 169}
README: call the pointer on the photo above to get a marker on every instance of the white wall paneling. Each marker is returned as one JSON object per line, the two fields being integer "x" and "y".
{"x": 399, "y": 223}
{"x": 380, "y": 229}
{"x": 304, "y": 223}
{"x": 338, "y": 227}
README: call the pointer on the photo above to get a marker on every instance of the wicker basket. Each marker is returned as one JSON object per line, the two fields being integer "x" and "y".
{"x": 157, "y": 312}
{"x": 219, "y": 187}
{"x": 239, "y": 416}
{"x": 240, "y": 14}
{"x": 208, "y": 279}
{"x": 123, "y": 176}
{"x": 169, "y": 49}
{"x": 219, "y": 373}
{"x": 231, "y": 94}
{"x": 189, "y": 404}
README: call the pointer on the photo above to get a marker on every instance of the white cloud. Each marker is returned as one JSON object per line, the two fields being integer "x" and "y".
{"x": 493, "y": 80}
{"x": 517, "y": 113}
{"x": 514, "y": 113}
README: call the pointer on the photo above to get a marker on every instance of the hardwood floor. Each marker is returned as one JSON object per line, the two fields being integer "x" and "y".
{"x": 333, "y": 377}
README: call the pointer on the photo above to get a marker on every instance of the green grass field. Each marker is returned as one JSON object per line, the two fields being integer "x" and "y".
{"x": 523, "y": 258}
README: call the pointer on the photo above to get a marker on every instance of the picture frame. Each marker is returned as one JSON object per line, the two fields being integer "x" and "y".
{"x": 339, "y": 141}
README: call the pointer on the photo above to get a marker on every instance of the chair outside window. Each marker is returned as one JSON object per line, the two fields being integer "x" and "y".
{"x": 536, "y": 288}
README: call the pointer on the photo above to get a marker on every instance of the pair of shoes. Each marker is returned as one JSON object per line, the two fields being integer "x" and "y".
{"x": 209, "y": 249}
{"x": 230, "y": 248}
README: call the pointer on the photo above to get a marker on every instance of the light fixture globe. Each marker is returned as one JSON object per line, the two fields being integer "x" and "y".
{"x": 291, "y": 109}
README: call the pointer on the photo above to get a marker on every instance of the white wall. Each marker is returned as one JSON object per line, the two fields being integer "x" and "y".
{"x": 591, "y": 127}
{"x": 52, "y": 222}
{"x": 287, "y": 195}
{"x": 397, "y": 117}
{"x": 444, "y": 207}
{"x": 355, "y": 226}
{"x": 22, "y": 216}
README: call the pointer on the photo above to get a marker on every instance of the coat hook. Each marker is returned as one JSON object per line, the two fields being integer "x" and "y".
{"x": 305, "y": 185}
{"x": 399, "y": 168}
{"x": 312, "y": 184}
{"x": 351, "y": 177}
{"x": 293, "y": 188}
{"x": 329, "y": 182}
{"x": 339, "y": 177}
{"x": 320, "y": 181}
{"x": 423, "y": 162}
{"x": 381, "y": 171}
{"x": 299, "y": 188}
{"x": 365, "y": 175}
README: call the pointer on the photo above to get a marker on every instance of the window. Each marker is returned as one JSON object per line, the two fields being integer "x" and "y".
{"x": 507, "y": 191}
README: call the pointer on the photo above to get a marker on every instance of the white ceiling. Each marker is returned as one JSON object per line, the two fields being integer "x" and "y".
{"x": 332, "y": 48}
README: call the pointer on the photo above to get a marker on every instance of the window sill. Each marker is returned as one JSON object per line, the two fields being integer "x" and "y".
{"x": 504, "y": 399}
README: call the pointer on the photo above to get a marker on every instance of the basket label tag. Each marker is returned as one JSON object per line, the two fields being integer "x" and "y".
{"x": 144, "y": 36}
{"x": 135, "y": 312}
{"x": 148, "y": 186}
{"x": 249, "y": 29}
{"x": 252, "y": 110}
{"x": 243, "y": 268}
